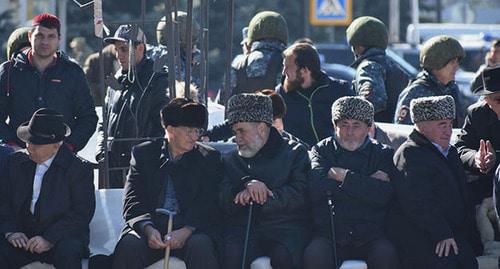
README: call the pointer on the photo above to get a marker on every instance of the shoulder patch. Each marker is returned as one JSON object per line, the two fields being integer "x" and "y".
{"x": 404, "y": 114}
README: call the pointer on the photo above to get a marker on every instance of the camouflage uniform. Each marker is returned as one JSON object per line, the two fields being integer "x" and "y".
{"x": 424, "y": 85}
{"x": 380, "y": 80}
{"x": 159, "y": 53}
{"x": 262, "y": 67}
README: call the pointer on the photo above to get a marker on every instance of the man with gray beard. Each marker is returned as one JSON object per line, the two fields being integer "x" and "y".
{"x": 268, "y": 175}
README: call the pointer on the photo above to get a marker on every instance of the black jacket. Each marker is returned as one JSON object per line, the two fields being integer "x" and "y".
{"x": 133, "y": 111}
{"x": 66, "y": 203}
{"x": 432, "y": 205}
{"x": 432, "y": 190}
{"x": 62, "y": 87}
{"x": 481, "y": 123}
{"x": 283, "y": 166}
{"x": 195, "y": 176}
{"x": 309, "y": 115}
{"x": 360, "y": 201}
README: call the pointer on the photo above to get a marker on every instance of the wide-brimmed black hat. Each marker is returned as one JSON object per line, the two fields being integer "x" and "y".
{"x": 46, "y": 126}
{"x": 491, "y": 81}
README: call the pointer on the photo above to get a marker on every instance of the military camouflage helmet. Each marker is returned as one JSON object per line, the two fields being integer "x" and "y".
{"x": 438, "y": 51}
{"x": 17, "y": 40}
{"x": 368, "y": 32}
{"x": 267, "y": 24}
{"x": 161, "y": 30}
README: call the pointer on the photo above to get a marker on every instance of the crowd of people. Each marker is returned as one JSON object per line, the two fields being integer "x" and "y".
{"x": 312, "y": 180}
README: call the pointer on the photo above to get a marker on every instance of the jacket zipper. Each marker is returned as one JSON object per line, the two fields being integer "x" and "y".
{"x": 309, "y": 104}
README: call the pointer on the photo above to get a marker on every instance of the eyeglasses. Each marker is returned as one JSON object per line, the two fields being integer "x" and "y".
{"x": 192, "y": 131}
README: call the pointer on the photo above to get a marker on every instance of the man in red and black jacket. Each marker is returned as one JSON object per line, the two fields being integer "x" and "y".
{"x": 41, "y": 77}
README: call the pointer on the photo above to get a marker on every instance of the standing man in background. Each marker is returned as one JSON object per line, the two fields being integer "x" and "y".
{"x": 44, "y": 77}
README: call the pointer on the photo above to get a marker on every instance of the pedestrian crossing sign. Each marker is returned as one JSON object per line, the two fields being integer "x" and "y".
{"x": 330, "y": 12}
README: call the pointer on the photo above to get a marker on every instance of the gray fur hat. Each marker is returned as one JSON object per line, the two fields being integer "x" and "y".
{"x": 249, "y": 108}
{"x": 353, "y": 107}
{"x": 432, "y": 108}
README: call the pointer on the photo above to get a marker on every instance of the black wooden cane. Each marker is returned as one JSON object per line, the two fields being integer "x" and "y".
{"x": 247, "y": 235}
{"x": 331, "y": 209}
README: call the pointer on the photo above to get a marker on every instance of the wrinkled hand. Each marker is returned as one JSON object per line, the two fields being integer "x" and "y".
{"x": 485, "y": 158}
{"x": 38, "y": 244}
{"x": 154, "y": 238}
{"x": 18, "y": 240}
{"x": 258, "y": 191}
{"x": 381, "y": 175}
{"x": 176, "y": 239}
{"x": 337, "y": 173}
{"x": 243, "y": 198}
{"x": 443, "y": 247}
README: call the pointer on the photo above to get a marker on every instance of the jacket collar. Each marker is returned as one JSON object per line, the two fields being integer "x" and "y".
{"x": 364, "y": 149}
{"x": 421, "y": 140}
{"x": 272, "y": 145}
{"x": 62, "y": 158}
{"x": 370, "y": 52}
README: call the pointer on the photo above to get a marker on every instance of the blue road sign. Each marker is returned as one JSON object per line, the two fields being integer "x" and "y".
{"x": 330, "y": 12}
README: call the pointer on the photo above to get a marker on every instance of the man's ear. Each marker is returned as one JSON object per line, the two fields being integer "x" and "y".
{"x": 141, "y": 48}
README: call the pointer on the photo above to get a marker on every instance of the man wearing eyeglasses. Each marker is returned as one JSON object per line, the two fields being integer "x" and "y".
{"x": 439, "y": 58}
{"x": 177, "y": 174}
{"x": 479, "y": 141}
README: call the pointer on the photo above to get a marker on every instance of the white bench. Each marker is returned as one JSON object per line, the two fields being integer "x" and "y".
{"x": 107, "y": 223}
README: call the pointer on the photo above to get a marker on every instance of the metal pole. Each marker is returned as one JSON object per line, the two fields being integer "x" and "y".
{"x": 143, "y": 15}
{"x": 204, "y": 50}
{"x": 170, "y": 47}
{"x": 189, "y": 48}
{"x": 439, "y": 8}
{"x": 394, "y": 20}
{"x": 62, "y": 5}
{"x": 305, "y": 19}
{"x": 229, "y": 48}
{"x": 103, "y": 181}
{"x": 415, "y": 21}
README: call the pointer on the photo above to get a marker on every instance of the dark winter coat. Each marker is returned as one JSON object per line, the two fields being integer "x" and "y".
{"x": 361, "y": 201}
{"x": 282, "y": 165}
{"x": 62, "y": 86}
{"x": 432, "y": 196}
{"x": 66, "y": 203}
{"x": 309, "y": 115}
{"x": 481, "y": 123}
{"x": 195, "y": 176}
{"x": 133, "y": 111}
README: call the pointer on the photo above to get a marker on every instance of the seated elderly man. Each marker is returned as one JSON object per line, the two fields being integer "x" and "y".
{"x": 267, "y": 175}
{"x": 177, "y": 174}
{"x": 354, "y": 173}
{"x": 435, "y": 228}
{"x": 47, "y": 198}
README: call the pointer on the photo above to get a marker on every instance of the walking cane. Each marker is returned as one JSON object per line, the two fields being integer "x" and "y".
{"x": 170, "y": 215}
{"x": 331, "y": 209}
{"x": 247, "y": 235}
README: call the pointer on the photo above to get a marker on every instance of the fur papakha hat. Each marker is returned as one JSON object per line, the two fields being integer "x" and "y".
{"x": 184, "y": 112}
{"x": 353, "y": 107}
{"x": 432, "y": 108}
{"x": 249, "y": 108}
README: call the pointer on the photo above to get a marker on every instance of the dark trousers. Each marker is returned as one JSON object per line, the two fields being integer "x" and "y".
{"x": 66, "y": 254}
{"x": 284, "y": 245}
{"x": 133, "y": 252}
{"x": 378, "y": 254}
